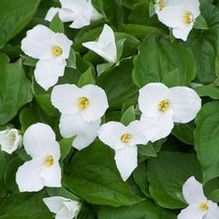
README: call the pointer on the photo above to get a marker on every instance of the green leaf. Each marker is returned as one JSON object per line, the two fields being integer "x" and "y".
{"x": 159, "y": 60}
{"x": 71, "y": 63}
{"x": 128, "y": 116}
{"x": 56, "y": 24}
{"x": 210, "y": 90}
{"x": 167, "y": 174}
{"x": 25, "y": 206}
{"x": 93, "y": 176}
{"x": 142, "y": 210}
{"x": 86, "y": 78}
{"x": 65, "y": 146}
{"x": 117, "y": 83}
{"x": 207, "y": 139}
{"x": 14, "y": 16}
{"x": 200, "y": 23}
{"x": 15, "y": 90}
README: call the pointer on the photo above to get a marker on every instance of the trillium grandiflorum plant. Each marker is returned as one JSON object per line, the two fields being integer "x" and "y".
{"x": 10, "y": 140}
{"x": 52, "y": 49}
{"x": 81, "y": 111}
{"x": 162, "y": 106}
{"x": 199, "y": 206}
{"x": 63, "y": 208}
{"x": 105, "y": 45}
{"x": 43, "y": 170}
{"x": 178, "y": 15}
{"x": 123, "y": 140}
{"x": 81, "y": 13}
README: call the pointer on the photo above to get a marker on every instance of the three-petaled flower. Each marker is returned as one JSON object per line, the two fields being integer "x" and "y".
{"x": 63, "y": 208}
{"x": 52, "y": 49}
{"x": 105, "y": 45}
{"x": 199, "y": 206}
{"x": 81, "y": 111}
{"x": 124, "y": 140}
{"x": 81, "y": 12}
{"x": 178, "y": 15}
{"x": 43, "y": 170}
{"x": 162, "y": 106}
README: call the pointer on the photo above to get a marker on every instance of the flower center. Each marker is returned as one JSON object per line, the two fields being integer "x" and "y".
{"x": 188, "y": 17}
{"x": 49, "y": 161}
{"x": 126, "y": 138}
{"x": 161, "y": 4}
{"x": 204, "y": 206}
{"x": 12, "y": 137}
{"x": 164, "y": 105}
{"x": 57, "y": 51}
{"x": 83, "y": 103}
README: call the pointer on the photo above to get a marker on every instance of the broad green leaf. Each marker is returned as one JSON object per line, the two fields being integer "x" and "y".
{"x": 86, "y": 78}
{"x": 15, "y": 90}
{"x": 14, "y": 16}
{"x": 167, "y": 174}
{"x": 207, "y": 139}
{"x": 117, "y": 83}
{"x": 65, "y": 147}
{"x": 200, "y": 23}
{"x": 142, "y": 210}
{"x": 93, "y": 176}
{"x": 56, "y": 24}
{"x": 25, "y": 206}
{"x": 159, "y": 60}
{"x": 128, "y": 116}
{"x": 210, "y": 90}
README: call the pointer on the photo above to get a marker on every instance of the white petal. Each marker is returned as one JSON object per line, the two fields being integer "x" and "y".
{"x": 65, "y": 98}
{"x": 149, "y": 98}
{"x": 110, "y": 134}
{"x": 185, "y": 104}
{"x": 79, "y": 22}
{"x": 213, "y": 211}
{"x": 126, "y": 161}
{"x": 54, "y": 203}
{"x": 52, "y": 175}
{"x": 37, "y": 42}
{"x": 48, "y": 71}
{"x": 62, "y": 41}
{"x": 182, "y": 33}
{"x": 135, "y": 129}
{"x": 105, "y": 45}
{"x": 28, "y": 176}
{"x": 98, "y": 103}
{"x": 192, "y": 6}
{"x": 39, "y": 140}
{"x": 95, "y": 15}
{"x": 172, "y": 16}
{"x": 193, "y": 191}
{"x": 74, "y": 125}
{"x": 157, "y": 128}
{"x": 63, "y": 214}
{"x": 191, "y": 212}
{"x": 51, "y": 13}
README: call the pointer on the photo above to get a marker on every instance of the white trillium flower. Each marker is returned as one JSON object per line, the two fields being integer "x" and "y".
{"x": 162, "y": 106}
{"x": 52, "y": 49}
{"x": 10, "y": 140}
{"x": 199, "y": 206}
{"x": 105, "y": 45}
{"x": 72, "y": 125}
{"x": 90, "y": 101}
{"x": 43, "y": 170}
{"x": 124, "y": 140}
{"x": 81, "y": 12}
{"x": 63, "y": 208}
{"x": 178, "y": 15}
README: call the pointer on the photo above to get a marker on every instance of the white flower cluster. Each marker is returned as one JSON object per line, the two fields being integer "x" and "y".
{"x": 82, "y": 108}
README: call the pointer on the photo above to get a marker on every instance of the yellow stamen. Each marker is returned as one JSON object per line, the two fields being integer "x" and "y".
{"x": 164, "y": 105}
{"x": 204, "y": 206}
{"x": 161, "y": 4}
{"x": 188, "y": 17}
{"x": 49, "y": 161}
{"x": 83, "y": 103}
{"x": 126, "y": 138}
{"x": 57, "y": 51}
